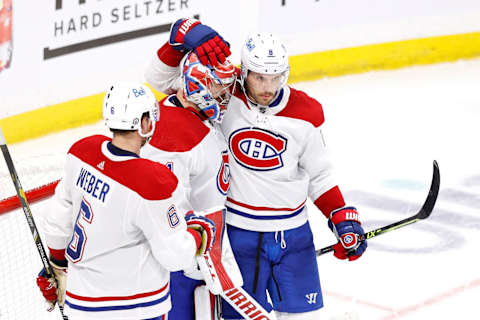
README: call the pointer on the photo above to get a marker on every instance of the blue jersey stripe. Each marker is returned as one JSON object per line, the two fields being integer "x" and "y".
{"x": 269, "y": 217}
{"x": 113, "y": 308}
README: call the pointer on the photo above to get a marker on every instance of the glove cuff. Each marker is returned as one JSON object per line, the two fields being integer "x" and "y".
{"x": 344, "y": 214}
{"x": 179, "y": 30}
{"x": 197, "y": 236}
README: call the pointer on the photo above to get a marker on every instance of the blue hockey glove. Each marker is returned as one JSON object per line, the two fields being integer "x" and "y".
{"x": 208, "y": 45}
{"x": 346, "y": 226}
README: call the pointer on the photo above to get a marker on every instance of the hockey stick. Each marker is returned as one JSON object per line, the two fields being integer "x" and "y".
{"x": 27, "y": 211}
{"x": 237, "y": 297}
{"x": 424, "y": 212}
{"x": 219, "y": 282}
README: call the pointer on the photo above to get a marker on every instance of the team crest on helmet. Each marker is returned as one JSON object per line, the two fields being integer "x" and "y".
{"x": 223, "y": 176}
{"x": 249, "y": 44}
{"x": 257, "y": 149}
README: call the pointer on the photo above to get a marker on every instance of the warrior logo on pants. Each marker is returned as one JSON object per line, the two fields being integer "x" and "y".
{"x": 312, "y": 297}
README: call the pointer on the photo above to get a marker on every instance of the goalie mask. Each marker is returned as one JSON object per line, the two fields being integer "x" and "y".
{"x": 124, "y": 105}
{"x": 209, "y": 88}
{"x": 265, "y": 54}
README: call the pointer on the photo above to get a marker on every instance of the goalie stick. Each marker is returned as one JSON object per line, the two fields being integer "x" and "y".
{"x": 27, "y": 211}
{"x": 424, "y": 213}
{"x": 237, "y": 297}
{"x": 219, "y": 282}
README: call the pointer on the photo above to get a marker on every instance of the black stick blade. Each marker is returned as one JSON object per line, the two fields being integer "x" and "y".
{"x": 423, "y": 213}
{"x": 429, "y": 204}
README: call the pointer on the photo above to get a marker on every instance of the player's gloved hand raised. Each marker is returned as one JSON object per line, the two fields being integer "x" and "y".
{"x": 203, "y": 230}
{"x": 208, "y": 45}
{"x": 53, "y": 287}
{"x": 346, "y": 226}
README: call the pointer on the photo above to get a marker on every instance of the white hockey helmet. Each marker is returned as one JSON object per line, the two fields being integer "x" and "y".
{"x": 208, "y": 87}
{"x": 125, "y": 103}
{"x": 264, "y": 53}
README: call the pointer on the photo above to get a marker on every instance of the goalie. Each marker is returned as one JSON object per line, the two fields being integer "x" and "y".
{"x": 187, "y": 139}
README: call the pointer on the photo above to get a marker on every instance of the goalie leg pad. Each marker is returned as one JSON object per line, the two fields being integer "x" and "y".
{"x": 205, "y": 308}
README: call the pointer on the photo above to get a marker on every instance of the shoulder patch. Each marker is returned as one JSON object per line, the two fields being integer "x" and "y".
{"x": 178, "y": 130}
{"x": 303, "y": 107}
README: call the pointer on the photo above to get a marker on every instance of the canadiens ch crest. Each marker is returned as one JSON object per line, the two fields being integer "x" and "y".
{"x": 223, "y": 176}
{"x": 257, "y": 149}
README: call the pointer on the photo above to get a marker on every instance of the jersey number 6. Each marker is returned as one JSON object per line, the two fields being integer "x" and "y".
{"x": 79, "y": 238}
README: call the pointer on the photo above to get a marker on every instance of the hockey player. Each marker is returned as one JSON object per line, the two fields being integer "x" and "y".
{"x": 279, "y": 156}
{"x": 279, "y": 159}
{"x": 187, "y": 139}
{"x": 119, "y": 220}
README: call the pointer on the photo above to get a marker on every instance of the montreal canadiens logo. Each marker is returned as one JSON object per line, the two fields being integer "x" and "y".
{"x": 349, "y": 240}
{"x": 257, "y": 149}
{"x": 223, "y": 176}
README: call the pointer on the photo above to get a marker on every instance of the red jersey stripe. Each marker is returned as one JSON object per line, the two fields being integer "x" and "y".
{"x": 264, "y": 208}
{"x": 117, "y": 298}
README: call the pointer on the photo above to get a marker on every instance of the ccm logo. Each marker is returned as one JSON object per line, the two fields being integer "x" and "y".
{"x": 257, "y": 149}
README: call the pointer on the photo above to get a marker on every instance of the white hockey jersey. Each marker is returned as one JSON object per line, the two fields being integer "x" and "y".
{"x": 278, "y": 157}
{"x": 197, "y": 154}
{"x": 120, "y": 219}
{"x": 277, "y": 153}
{"x": 194, "y": 151}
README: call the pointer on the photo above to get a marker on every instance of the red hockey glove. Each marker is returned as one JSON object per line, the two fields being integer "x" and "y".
{"x": 48, "y": 286}
{"x": 203, "y": 230}
{"x": 53, "y": 287}
{"x": 346, "y": 226}
{"x": 208, "y": 45}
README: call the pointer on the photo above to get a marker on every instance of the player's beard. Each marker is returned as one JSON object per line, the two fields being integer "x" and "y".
{"x": 264, "y": 98}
